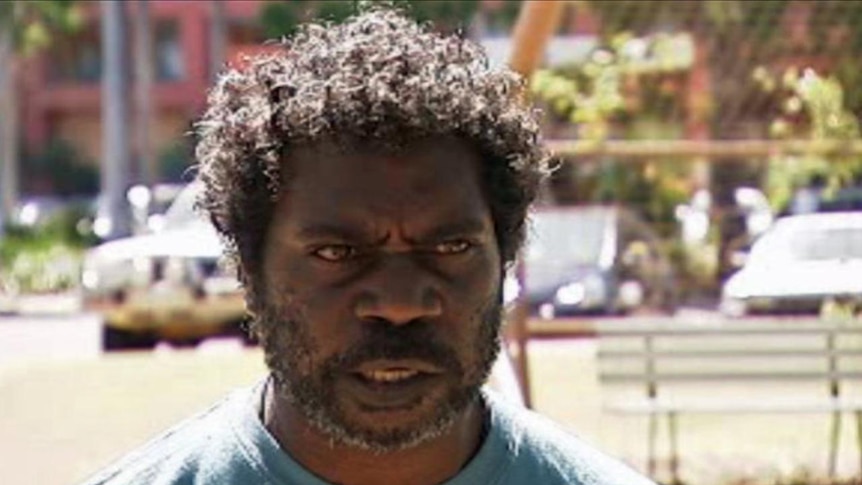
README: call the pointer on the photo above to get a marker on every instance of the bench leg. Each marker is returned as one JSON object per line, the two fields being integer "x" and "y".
{"x": 834, "y": 441}
{"x": 859, "y": 437}
{"x": 674, "y": 449}
{"x": 651, "y": 444}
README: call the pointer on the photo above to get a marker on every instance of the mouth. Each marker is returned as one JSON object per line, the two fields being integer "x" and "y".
{"x": 393, "y": 384}
{"x": 388, "y": 376}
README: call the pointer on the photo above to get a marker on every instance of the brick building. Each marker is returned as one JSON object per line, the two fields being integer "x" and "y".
{"x": 61, "y": 88}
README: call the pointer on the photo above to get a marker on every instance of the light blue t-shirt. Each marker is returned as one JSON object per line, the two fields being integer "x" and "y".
{"x": 228, "y": 444}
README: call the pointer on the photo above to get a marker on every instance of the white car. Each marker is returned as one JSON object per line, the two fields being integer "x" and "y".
{"x": 169, "y": 285}
{"x": 798, "y": 265}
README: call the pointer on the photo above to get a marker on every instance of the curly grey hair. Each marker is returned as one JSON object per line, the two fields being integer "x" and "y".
{"x": 377, "y": 78}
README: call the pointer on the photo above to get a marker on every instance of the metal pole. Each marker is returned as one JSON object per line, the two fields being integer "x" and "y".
{"x": 115, "y": 143}
{"x": 8, "y": 125}
{"x": 147, "y": 169}
{"x": 536, "y": 24}
{"x": 218, "y": 34}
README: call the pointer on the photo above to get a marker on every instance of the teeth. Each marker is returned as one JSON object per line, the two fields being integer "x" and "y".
{"x": 389, "y": 375}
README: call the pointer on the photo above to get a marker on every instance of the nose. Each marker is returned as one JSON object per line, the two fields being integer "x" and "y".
{"x": 399, "y": 291}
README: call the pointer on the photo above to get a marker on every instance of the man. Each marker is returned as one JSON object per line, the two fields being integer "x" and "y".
{"x": 371, "y": 182}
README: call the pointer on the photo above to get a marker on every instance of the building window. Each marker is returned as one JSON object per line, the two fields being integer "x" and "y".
{"x": 77, "y": 59}
{"x": 170, "y": 65}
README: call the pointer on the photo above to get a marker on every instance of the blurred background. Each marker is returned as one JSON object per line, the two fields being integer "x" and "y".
{"x": 709, "y": 171}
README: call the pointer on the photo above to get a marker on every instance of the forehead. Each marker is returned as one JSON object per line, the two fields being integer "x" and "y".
{"x": 429, "y": 178}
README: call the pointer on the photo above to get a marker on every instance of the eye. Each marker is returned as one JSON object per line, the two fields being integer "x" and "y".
{"x": 456, "y": 246}
{"x": 334, "y": 253}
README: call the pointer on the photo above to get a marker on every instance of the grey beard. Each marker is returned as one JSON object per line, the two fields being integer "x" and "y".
{"x": 289, "y": 352}
{"x": 327, "y": 422}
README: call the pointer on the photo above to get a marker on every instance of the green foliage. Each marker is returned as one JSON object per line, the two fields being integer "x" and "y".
{"x": 809, "y": 107}
{"x": 46, "y": 269}
{"x": 34, "y": 24}
{"x": 596, "y": 92}
{"x": 176, "y": 160}
{"x": 588, "y": 95}
{"x": 619, "y": 92}
{"x": 447, "y": 14}
{"x": 280, "y": 18}
{"x": 335, "y": 12}
{"x": 758, "y": 19}
{"x": 840, "y": 17}
{"x": 501, "y": 17}
{"x": 58, "y": 168}
{"x": 44, "y": 258}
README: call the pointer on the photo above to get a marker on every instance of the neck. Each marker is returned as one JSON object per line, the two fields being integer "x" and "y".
{"x": 429, "y": 463}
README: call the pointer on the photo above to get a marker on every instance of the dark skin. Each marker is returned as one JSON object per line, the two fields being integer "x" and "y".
{"x": 361, "y": 236}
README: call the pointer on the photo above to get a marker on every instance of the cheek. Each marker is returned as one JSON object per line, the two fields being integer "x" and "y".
{"x": 477, "y": 284}
{"x": 470, "y": 319}
{"x": 324, "y": 318}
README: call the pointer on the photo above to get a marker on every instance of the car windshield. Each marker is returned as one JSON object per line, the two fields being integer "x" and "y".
{"x": 839, "y": 243}
{"x": 182, "y": 212}
{"x": 570, "y": 236}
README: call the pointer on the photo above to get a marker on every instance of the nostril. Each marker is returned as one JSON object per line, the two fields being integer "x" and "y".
{"x": 384, "y": 322}
{"x": 398, "y": 311}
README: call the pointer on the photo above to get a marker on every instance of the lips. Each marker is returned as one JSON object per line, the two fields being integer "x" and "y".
{"x": 388, "y": 384}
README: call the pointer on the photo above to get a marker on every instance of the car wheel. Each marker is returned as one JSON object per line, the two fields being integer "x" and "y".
{"x": 117, "y": 339}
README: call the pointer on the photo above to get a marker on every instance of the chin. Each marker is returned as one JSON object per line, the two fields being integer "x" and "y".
{"x": 386, "y": 430}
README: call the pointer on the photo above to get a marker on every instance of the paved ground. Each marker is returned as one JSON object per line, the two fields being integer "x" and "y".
{"x": 67, "y": 415}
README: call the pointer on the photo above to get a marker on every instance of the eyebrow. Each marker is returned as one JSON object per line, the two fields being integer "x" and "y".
{"x": 323, "y": 230}
{"x": 465, "y": 227}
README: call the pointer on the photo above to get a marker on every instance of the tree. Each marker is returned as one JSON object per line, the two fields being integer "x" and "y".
{"x": 735, "y": 37}
{"x": 281, "y": 18}
{"x": 731, "y": 40}
{"x": 616, "y": 92}
{"x": 813, "y": 107}
{"x": 58, "y": 168}
{"x": 25, "y": 27}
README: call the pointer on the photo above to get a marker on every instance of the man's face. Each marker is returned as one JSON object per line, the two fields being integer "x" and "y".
{"x": 382, "y": 290}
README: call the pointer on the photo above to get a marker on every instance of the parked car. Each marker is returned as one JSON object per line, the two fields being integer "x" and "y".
{"x": 750, "y": 205}
{"x": 802, "y": 262}
{"x": 817, "y": 198}
{"x": 169, "y": 285}
{"x": 594, "y": 260}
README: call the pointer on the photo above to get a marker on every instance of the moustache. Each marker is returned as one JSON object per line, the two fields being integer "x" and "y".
{"x": 382, "y": 340}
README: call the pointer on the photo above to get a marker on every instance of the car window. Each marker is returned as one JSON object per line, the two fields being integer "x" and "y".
{"x": 845, "y": 200}
{"x": 571, "y": 236}
{"x": 182, "y": 212}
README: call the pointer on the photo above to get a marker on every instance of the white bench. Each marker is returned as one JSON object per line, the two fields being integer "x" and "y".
{"x": 662, "y": 369}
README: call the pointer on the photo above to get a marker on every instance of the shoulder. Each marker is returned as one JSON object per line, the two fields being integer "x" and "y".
{"x": 543, "y": 452}
{"x": 203, "y": 449}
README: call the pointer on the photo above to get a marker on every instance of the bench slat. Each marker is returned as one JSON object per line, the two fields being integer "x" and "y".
{"x": 725, "y": 353}
{"x": 734, "y": 407}
{"x": 718, "y": 375}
